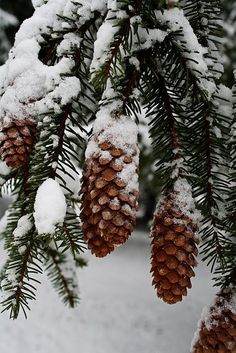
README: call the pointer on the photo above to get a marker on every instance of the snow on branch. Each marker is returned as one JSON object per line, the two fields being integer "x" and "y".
{"x": 33, "y": 87}
{"x": 186, "y": 40}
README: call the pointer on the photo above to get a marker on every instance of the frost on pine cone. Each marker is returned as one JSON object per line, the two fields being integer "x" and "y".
{"x": 110, "y": 183}
{"x": 16, "y": 141}
{"x": 217, "y": 328}
{"x": 174, "y": 234}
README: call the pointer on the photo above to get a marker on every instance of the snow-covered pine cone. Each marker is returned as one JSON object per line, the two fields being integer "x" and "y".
{"x": 16, "y": 141}
{"x": 110, "y": 183}
{"x": 217, "y": 328}
{"x": 174, "y": 242}
{"x": 98, "y": 245}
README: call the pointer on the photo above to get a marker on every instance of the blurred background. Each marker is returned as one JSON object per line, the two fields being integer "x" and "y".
{"x": 119, "y": 311}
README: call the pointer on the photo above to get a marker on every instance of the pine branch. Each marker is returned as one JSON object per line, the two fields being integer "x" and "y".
{"x": 228, "y": 278}
{"x": 165, "y": 113}
{"x": 205, "y": 18}
{"x": 18, "y": 277}
{"x": 208, "y": 136}
{"x": 62, "y": 277}
{"x": 109, "y": 66}
{"x": 54, "y": 155}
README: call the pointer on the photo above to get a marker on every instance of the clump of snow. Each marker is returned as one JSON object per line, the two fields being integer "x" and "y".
{"x": 24, "y": 225}
{"x": 184, "y": 199}
{"x": 146, "y": 38}
{"x": 140, "y": 38}
{"x": 129, "y": 175}
{"x": 105, "y": 37}
{"x": 28, "y": 86}
{"x": 37, "y": 3}
{"x": 188, "y": 43}
{"x": 70, "y": 41}
{"x": 88, "y": 7}
{"x": 50, "y": 207}
{"x": 98, "y": 5}
{"x": 120, "y": 131}
{"x": 110, "y": 126}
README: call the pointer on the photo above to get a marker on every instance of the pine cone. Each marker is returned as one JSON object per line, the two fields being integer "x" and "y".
{"x": 217, "y": 329}
{"x": 109, "y": 189}
{"x": 173, "y": 249}
{"x": 98, "y": 246}
{"x": 16, "y": 141}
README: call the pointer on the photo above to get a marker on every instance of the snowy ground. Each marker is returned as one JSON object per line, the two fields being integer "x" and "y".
{"x": 119, "y": 312}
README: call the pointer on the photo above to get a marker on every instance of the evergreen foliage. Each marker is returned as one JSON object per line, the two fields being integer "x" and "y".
{"x": 162, "y": 55}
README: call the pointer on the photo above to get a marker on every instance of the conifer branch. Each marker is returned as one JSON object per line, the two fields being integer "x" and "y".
{"x": 64, "y": 283}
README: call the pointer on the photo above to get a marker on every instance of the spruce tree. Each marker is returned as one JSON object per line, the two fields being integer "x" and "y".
{"x": 104, "y": 62}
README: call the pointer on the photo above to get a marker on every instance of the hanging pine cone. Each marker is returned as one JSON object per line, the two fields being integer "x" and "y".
{"x": 110, "y": 183}
{"x": 16, "y": 141}
{"x": 98, "y": 246}
{"x": 174, "y": 241}
{"x": 217, "y": 329}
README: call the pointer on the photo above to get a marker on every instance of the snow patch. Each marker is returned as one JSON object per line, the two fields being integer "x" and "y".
{"x": 188, "y": 43}
{"x": 184, "y": 199}
{"x": 28, "y": 86}
{"x": 102, "y": 45}
{"x": 24, "y": 225}
{"x": 50, "y": 207}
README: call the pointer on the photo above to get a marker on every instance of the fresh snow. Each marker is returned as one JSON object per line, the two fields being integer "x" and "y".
{"x": 118, "y": 312}
{"x": 190, "y": 47}
{"x": 184, "y": 199}
{"x": 50, "y": 207}
{"x": 24, "y": 225}
{"x": 102, "y": 45}
{"x": 146, "y": 38}
{"x": 121, "y": 131}
{"x": 31, "y": 87}
{"x": 193, "y": 51}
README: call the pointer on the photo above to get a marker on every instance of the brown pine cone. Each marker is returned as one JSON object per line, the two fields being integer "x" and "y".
{"x": 173, "y": 249}
{"x": 109, "y": 189}
{"x": 98, "y": 246}
{"x": 16, "y": 141}
{"x": 217, "y": 328}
